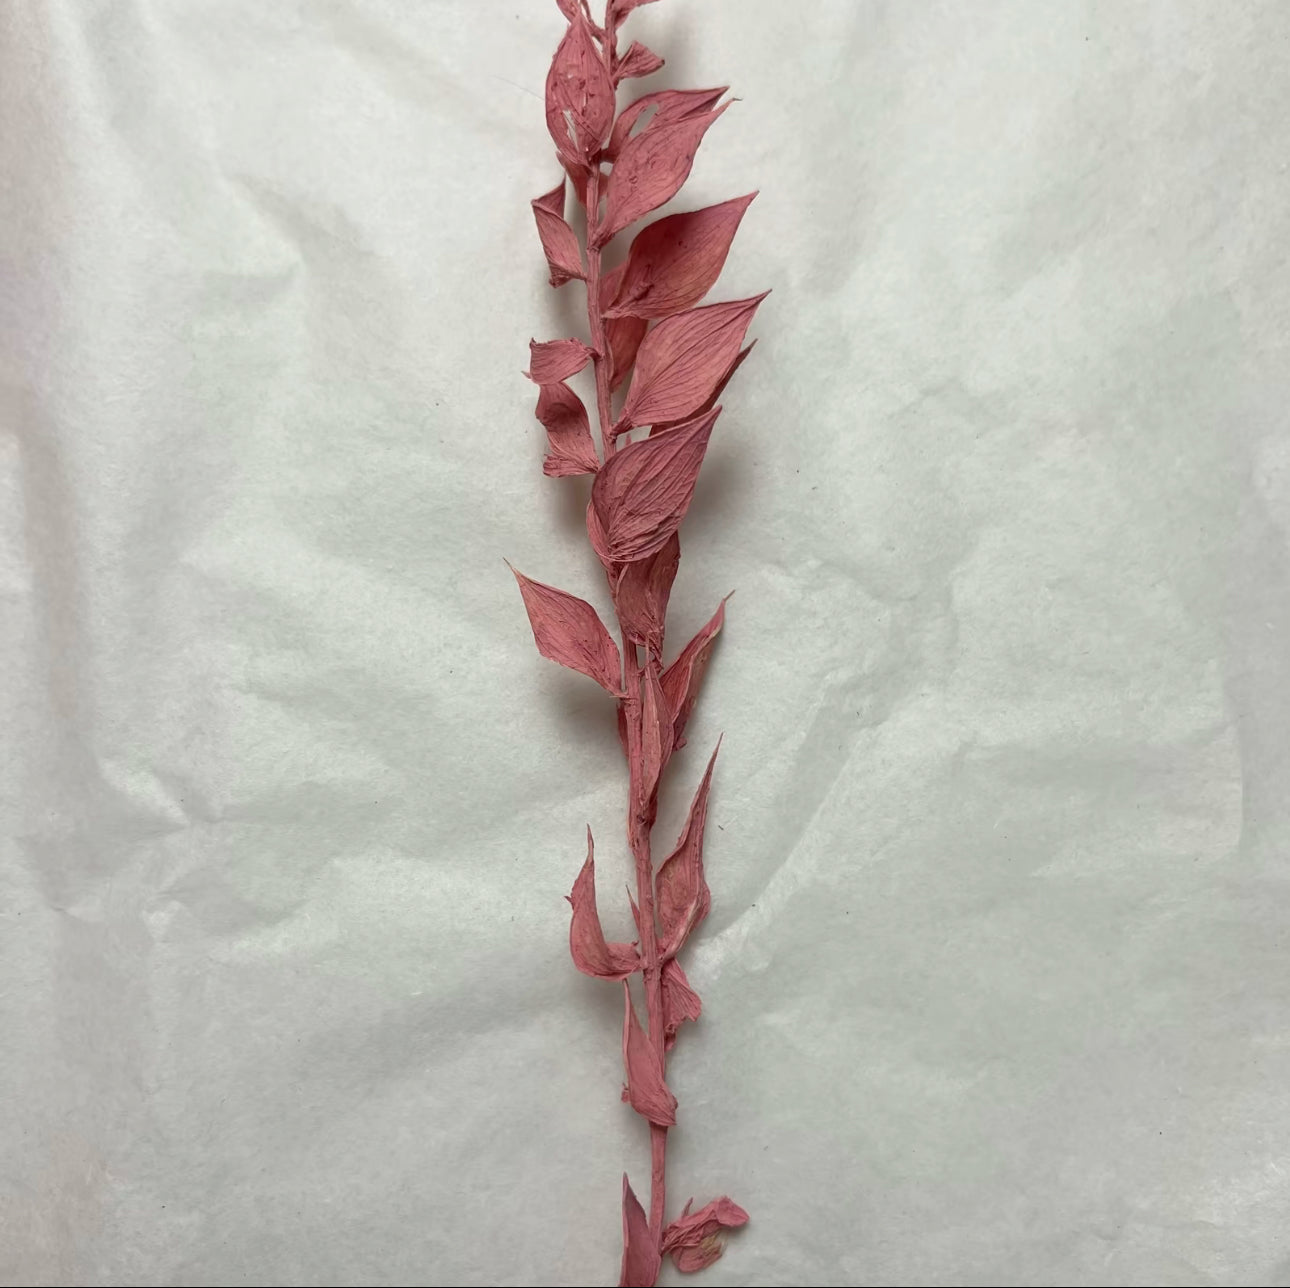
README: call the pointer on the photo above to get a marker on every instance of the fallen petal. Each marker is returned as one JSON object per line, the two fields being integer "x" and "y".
{"x": 680, "y": 886}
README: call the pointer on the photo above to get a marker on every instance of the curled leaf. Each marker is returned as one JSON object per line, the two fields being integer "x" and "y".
{"x": 656, "y": 740}
{"x": 681, "y": 680}
{"x": 642, "y": 492}
{"x": 559, "y": 242}
{"x": 650, "y": 170}
{"x": 568, "y": 631}
{"x": 638, "y": 61}
{"x": 554, "y": 360}
{"x": 668, "y": 107}
{"x": 680, "y": 1001}
{"x": 674, "y": 262}
{"x": 647, "y": 1093}
{"x": 568, "y": 432}
{"x": 683, "y": 360}
{"x": 642, "y": 592}
{"x": 680, "y": 887}
{"x": 641, "y": 1259}
{"x": 579, "y": 95}
{"x": 694, "y": 1239}
{"x": 592, "y": 953}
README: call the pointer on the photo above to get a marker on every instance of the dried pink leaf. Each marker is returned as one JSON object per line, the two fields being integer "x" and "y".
{"x": 647, "y": 1093}
{"x": 681, "y": 680}
{"x": 680, "y": 1001}
{"x": 662, "y": 425}
{"x": 642, "y": 592}
{"x": 642, "y": 492}
{"x": 682, "y": 891}
{"x": 599, "y": 543}
{"x": 656, "y": 740}
{"x": 568, "y": 631}
{"x": 559, "y": 242}
{"x": 694, "y": 1239}
{"x": 551, "y": 361}
{"x": 668, "y": 107}
{"x": 638, "y": 61}
{"x": 623, "y": 334}
{"x": 592, "y": 953}
{"x": 579, "y": 95}
{"x": 641, "y": 1259}
{"x": 650, "y": 170}
{"x": 674, "y": 262}
{"x": 684, "y": 358}
{"x": 568, "y": 432}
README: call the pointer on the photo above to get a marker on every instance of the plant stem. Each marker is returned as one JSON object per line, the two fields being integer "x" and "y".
{"x": 603, "y": 360}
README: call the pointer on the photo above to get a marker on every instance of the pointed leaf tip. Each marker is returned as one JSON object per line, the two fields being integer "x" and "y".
{"x": 579, "y": 96}
{"x": 567, "y": 630}
{"x": 559, "y": 242}
{"x": 638, "y": 61}
{"x": 682, "y": 679}
{"x": 592, "y": 953}
{"x": 641, "y": 1258}
{"x": 680, "y": 1001}
{"x": 647, "y": 1092}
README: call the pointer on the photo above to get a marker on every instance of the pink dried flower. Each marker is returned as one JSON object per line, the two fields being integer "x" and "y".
{"x": 645, "y": 322}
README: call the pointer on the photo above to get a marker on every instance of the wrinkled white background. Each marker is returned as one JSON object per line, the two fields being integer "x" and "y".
{"x": 996, "y": 977}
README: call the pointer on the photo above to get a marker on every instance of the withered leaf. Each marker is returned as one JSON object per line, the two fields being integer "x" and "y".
{"x": 592, "y": 953}
{"x": 680, "y": 887}
{"x": 638, "y": 61}
{"x": 680, "y": 1001}
{"x": 641, "y": 1259}
{"x": 559, "y": 243}
{"x": 674, "y": 262}
{"x": 568, "y": 631}
{"x": 568, "y": 432}
{"x": 656, "y": 739}
{"x": 684, "y": 358}
{"x": 694, "y": 1239}
{"x": 647, "y": 1092}
{"x": 551, "y": 361}
{"x": 642, "y": 592}
{"x": 682, "y": 679}
{"x": 579, "y": 95}
{"x": 668, "y": 107}
{"x": 650, "y": 170}
{"x": 642, "y": 492}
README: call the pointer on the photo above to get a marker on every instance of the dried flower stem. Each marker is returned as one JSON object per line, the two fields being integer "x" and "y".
{"x": 641, "y": 320}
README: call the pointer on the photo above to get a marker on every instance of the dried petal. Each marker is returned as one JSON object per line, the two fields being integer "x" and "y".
{"x": 683, "y": 360}
{"x": 680, "y": 1001}
{"x": 642, "y": 593}
{"x": 641, "y": 1260}
{"x": 554, "y": 360}
{"x": 592, "y": 953}
{"x": 675, "y": 261}
{"x": 681, "y": 680}
{"x": 668, "y": 105}
{"x": 694, "y": 1239}
{"x": 681, "y": 890}
{"x": 642, "y": 492}
{"x": 568, "y": 631}
{"x": 624, "y": 335}
{"x": 638, "y": 61}
{"x": 656, "y": 740}
{"x": 568, "y": 432}
{"x": 647, "y": 1093}
{"x": 579, "y": 95}
{"x": 650, "y": 170}
{"x": 559, "y": 243}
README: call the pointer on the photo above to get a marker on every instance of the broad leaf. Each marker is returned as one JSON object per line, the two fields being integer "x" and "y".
{"x": 568, "y": 631}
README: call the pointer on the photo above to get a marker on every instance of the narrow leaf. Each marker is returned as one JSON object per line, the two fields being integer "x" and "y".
{"x": 675, "y": 261}
{"x": 680, "y": 888}
{"x": 579, "y": 95}
{"x": 650, "y": 170}
{"x": 641, "y": 1259}
{"x": 647, "y": 1093}
{"x": 680, "y": 1001}
{"x": 656, "y": 740}
{"x": 554, "y": 360}
{"x": 623, "y": 334}
{"x": 559, "y": 242}
{"x": 592, "y": 953}
{"x": 568, "y": 432}
{"x": 694, "y": 1239}
{"x": 642, "y": 592}
{"x": 568, "y": 631}
{"x": 682, "y": 679}
{"x": 638, "y": 61}
{"x": 683, "y": 360}
{"x": 643, "y": 491}
{"x": 668, "y": 106}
